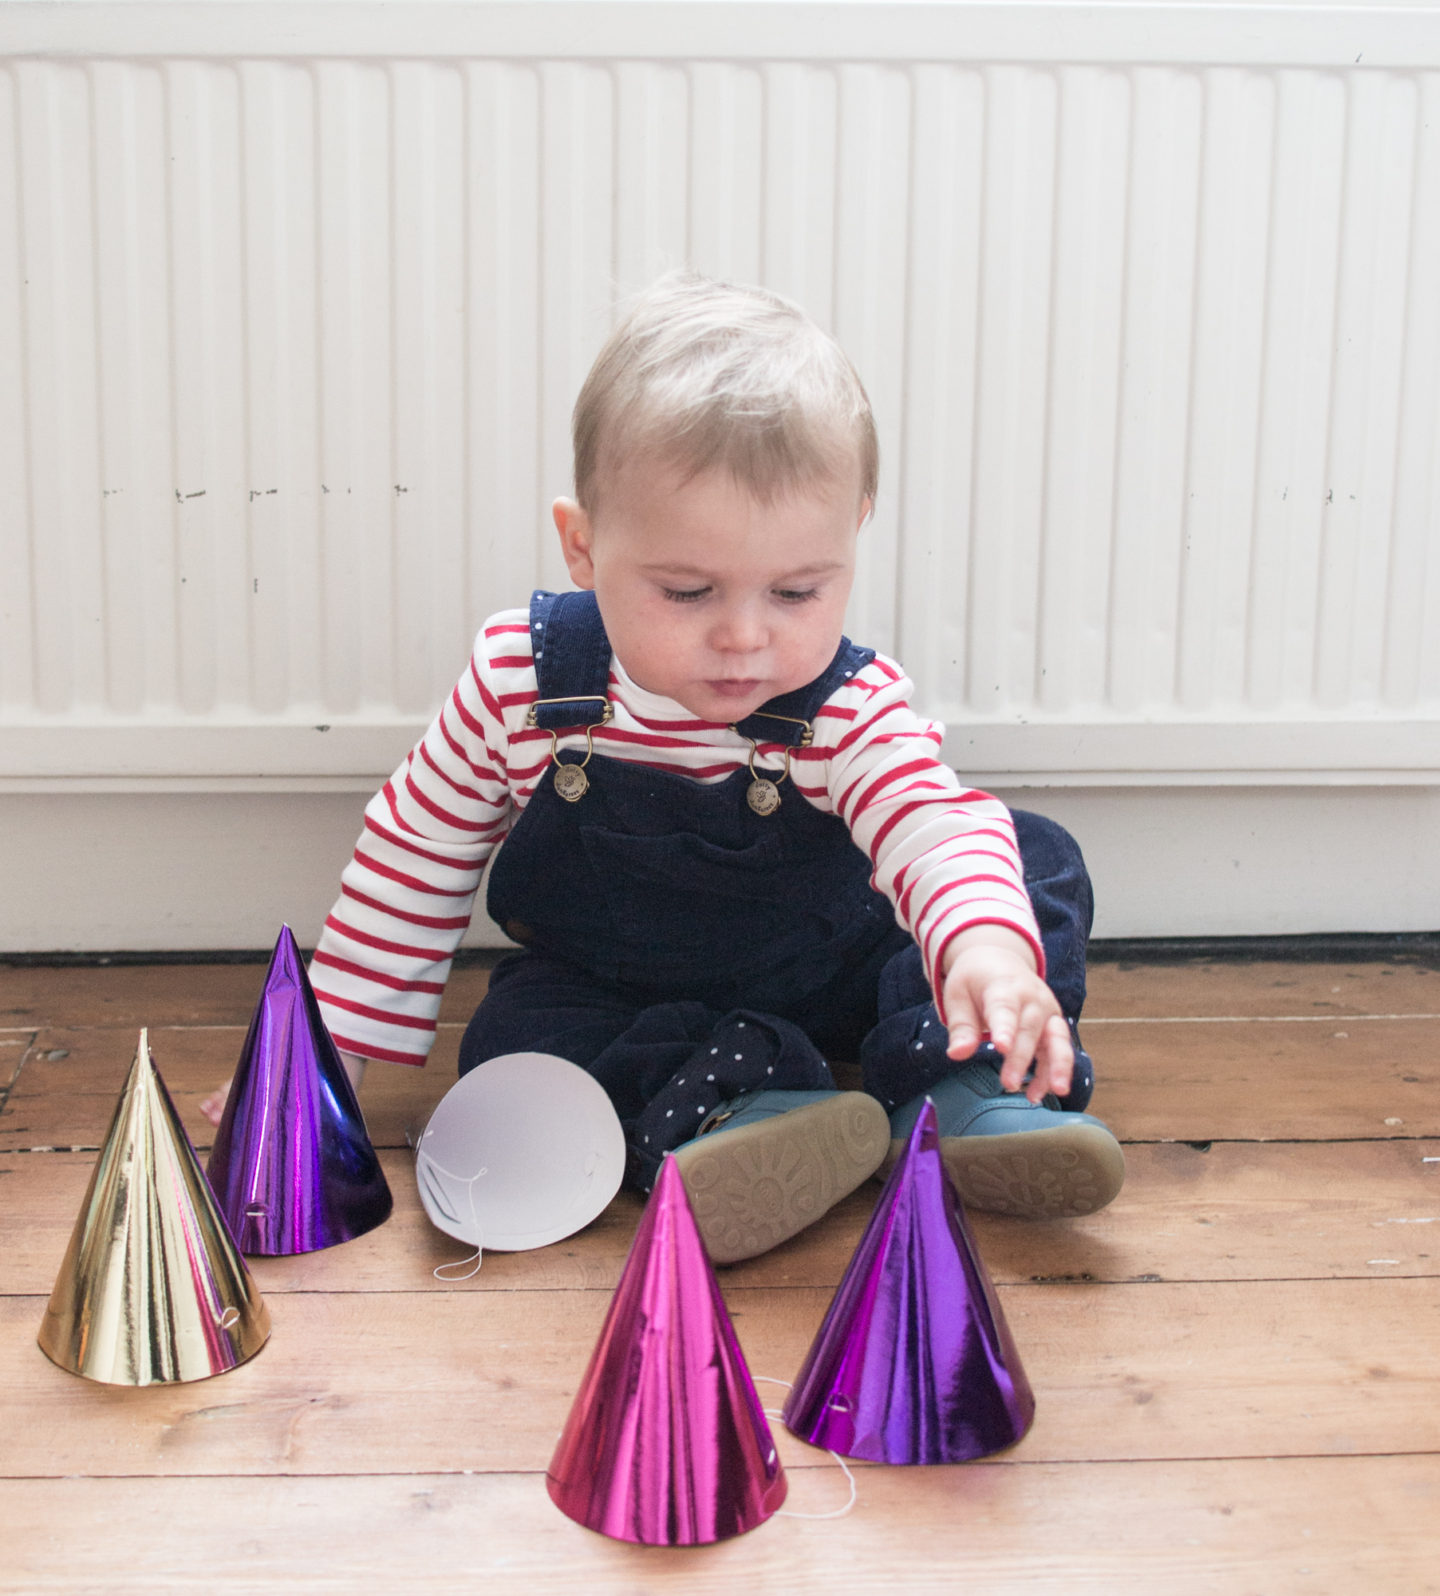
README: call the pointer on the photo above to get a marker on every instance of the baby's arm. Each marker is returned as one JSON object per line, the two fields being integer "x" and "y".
{"x": 406, "y": 896}
{"x": 385, "y": 950}
{"x": 991, "y": 985}
{"x": 945, "y": 856}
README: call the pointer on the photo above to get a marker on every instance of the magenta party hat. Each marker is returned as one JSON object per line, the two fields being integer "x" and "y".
{"x": 914, "y": 1362}
{"x": 292, "y": 1165}
{"x": 666, "y": 1443}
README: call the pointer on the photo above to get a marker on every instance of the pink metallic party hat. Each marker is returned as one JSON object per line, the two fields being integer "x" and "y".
{"x": 666, "y": 1443}
{"x": 914, "y": 1362}
{"x": 292, "y": 1165}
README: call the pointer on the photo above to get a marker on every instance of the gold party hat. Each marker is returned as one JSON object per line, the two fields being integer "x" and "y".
{"x": 152, "y": 1289}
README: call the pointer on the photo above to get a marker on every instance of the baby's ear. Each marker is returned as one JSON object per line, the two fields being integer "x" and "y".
{"x": 573, "y": 525}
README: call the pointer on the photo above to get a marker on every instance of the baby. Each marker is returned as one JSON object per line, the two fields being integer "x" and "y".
{"x": 731, "y": 851}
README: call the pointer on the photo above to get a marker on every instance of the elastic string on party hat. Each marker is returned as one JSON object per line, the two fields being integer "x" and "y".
{"x": 475, "y": 1258}
{"x": 478, "y": 1256}
{"x": 845, "y": 1469}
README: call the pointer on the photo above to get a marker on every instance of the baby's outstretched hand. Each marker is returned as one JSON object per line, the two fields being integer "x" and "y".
{"x": 991, "y": 986}
{"x": 213, "y": 1106}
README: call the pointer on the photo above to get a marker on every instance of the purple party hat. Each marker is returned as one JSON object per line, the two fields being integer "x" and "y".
{"x": 666, "y": 1443}
{"x": 292, "y": 1166}
{"x": 914, "y": 1362}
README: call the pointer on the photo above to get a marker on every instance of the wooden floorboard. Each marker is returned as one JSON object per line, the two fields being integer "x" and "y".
{"x": 373, "y": 1383}
{"x": 1236, "y": 1364}
{"x": 1211, "y": 989}
{"x": 1238, "y": 1211}
{"x": 1256, "y": 1081}
{"x": 1267, "y": 1527}
{"x": 1268, "y": 1080}
{"x": 221, "y": 994}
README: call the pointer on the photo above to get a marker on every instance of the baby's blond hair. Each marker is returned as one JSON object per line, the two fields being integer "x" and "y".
{"x": 702, "y": 374}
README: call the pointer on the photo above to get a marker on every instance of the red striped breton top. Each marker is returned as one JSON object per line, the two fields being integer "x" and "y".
{"x": 943, "y": 853}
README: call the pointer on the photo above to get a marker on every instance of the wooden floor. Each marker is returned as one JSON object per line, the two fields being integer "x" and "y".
{"x": 1237, "y": 1366}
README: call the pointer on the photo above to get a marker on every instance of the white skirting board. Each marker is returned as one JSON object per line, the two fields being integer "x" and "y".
{"x": 193, "y": 871}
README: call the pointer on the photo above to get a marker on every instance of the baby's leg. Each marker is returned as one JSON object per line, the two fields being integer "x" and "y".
{"x": 905, "y": 1054}
{"x": 667, "y": 1067}
{"x": 540, "y": 1005}
{"x": 746, "y": 1101}
{"x": 1064, "y": 905}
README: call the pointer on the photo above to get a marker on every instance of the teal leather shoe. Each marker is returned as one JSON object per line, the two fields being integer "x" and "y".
{"x": 1008, "y": 1155}
{"x": 766, "y": 1165}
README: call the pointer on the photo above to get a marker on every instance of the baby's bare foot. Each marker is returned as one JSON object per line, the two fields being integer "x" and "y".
{"x": 213, "y": 1107}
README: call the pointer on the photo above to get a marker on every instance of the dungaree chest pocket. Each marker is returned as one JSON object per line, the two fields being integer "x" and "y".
{"x": 686, "y": 909}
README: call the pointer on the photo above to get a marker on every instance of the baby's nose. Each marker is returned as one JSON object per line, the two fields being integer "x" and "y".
{"x": 740, "y": 630}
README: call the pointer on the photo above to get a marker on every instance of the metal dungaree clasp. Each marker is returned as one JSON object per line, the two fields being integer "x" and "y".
{"x": 571, "y": 782}
{"x": 763, "y": 795}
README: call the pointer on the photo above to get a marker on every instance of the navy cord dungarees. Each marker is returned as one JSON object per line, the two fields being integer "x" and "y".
{"x": 684, "y": 949}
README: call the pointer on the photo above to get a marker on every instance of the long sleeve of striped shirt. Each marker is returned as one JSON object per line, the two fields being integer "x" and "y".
{"x": 943, "y": 853}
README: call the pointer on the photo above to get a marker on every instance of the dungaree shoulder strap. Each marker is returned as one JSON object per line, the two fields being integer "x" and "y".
{"x": 572, "y": 660}
{"x": 787, "y": 719}
{"x": 572, "y": 670}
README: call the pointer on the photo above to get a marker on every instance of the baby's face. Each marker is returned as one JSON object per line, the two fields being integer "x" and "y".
{"x": 709, "y": 596}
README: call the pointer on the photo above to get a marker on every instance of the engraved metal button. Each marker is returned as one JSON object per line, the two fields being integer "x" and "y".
{"x": 763, "y": 797}
{"x": 572, "y": 783}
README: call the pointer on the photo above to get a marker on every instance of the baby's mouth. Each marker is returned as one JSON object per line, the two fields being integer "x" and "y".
{"x": 734, "y": 688}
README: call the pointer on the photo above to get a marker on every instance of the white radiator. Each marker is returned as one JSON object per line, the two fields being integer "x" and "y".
{"x": 295, "y": 299}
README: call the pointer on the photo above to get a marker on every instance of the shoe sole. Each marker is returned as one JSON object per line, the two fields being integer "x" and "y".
{"x": 1061, "y": 1172}
{"x": 757, "y": 1185}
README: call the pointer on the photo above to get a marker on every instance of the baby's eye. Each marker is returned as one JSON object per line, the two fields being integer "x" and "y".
{"x": 795, "y": 595}
{"x": 684, "y": 595}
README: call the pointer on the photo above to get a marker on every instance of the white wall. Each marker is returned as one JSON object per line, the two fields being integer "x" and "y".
{"x": 294, "y": 301}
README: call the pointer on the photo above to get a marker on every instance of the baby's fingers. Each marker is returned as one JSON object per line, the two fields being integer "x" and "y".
{"x": 213, "y": 1106}
{"x": 965, "y": 1025}
{"x": 1054, "y": 1060}
{"x": 1021, "y": 1051}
